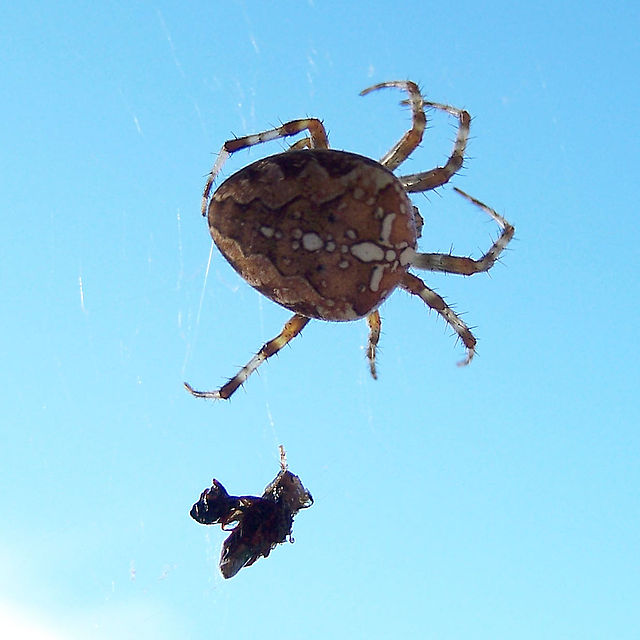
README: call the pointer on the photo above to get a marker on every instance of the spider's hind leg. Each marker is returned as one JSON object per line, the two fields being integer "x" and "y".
{"x": 464, "y": 265}
{"x": 291, "y": 329}
{"x": 415, "y": 286}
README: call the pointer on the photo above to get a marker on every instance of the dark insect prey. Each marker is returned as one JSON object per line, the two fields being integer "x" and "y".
{"x": 261, "y": 523}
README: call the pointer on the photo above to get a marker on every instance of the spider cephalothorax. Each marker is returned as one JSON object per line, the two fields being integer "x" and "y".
{"x": 330, "y": 234}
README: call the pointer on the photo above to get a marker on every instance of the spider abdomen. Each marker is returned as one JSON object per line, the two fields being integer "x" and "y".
{"x": 325, "y": 233}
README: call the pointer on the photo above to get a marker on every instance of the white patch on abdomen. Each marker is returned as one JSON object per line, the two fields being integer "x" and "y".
{"x": 367, "y": 252}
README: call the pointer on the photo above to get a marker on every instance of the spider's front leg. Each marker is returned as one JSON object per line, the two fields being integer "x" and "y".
{"x": 463, "y": 265}
{"x": 412, "y": 138}
{"x": 291, "y": 329}
{"x": 427, "y": 180}
{"x": 317, "y": 140}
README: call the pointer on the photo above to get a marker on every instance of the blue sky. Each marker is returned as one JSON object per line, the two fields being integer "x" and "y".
{"x": 496, "y": 501}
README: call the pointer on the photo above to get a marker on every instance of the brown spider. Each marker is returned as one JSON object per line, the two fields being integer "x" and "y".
{"x": 330, "y": 234}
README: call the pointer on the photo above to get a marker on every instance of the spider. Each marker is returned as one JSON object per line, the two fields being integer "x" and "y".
{"x": 330, "y": 234}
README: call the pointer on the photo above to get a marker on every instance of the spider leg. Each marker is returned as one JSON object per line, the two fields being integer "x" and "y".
{"x": 415, "y": 286}
{"x": 291, "y": 329}
{"x": 463, "y": 265}
{"x": 304, "y": 143}
{"x": 318, "y": 140}
{"x": 373, "y": 320}
{"x": 427, "y": 180}
{"x": 411, "y": 139}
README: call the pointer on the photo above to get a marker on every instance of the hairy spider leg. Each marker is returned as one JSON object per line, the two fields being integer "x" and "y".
{"x": 303, "y": 143}
{"x": 373, "y": 320}
{"x": 318, "y": 140}
{"x": 417, "y": 287}
{"x": 412, "y": 138}
{"x": 291, "y": 329}
{"x": 427, "y": 180}
{"x": 463, "y": 265}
